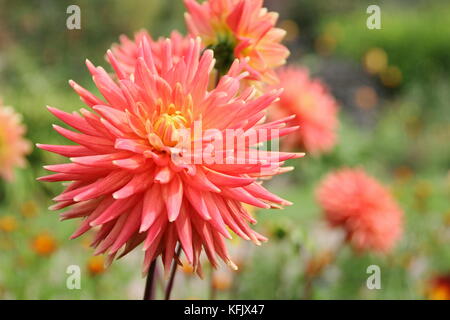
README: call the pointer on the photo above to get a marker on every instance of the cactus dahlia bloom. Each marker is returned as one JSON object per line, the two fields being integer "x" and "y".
{"x": 126, "y": 52}
{"x": 240, "y": 29}
{"x": 365, "y": 209}
{"x": 125, "y": 176}
{"x": 314, "y": 107}
{"x": 13, "y": 146}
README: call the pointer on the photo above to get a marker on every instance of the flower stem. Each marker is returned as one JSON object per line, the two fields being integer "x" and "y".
{"x": 149, "y": 292}
{"x": 172, "y": 274}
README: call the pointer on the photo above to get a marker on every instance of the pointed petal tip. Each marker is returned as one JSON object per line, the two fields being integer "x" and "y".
{"x": 73, "y": 236}
{"x": 93, "y": 224}
{"x": 257, "y": 242}
{"x": 232, "y": 265}
{"x": 116, "y": 196}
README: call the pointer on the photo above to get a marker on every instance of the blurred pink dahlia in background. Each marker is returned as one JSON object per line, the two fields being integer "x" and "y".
{"x": 13, "y": 146}
{"x": 364, "y": 208}
{"x": 126, "y": 51}
{"x": 123, "y": 176}
{"x": 240, "y": 29}
{"x": 315, "y": 108}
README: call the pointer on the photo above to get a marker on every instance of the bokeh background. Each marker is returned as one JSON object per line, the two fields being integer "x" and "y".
{"x": 393, "y": 88}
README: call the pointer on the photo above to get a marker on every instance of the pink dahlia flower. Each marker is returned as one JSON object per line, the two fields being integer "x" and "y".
{"x": 240, "y": 29}
{"x": 13, "y": 146}
{"x": 126, "y": 51}
{"x": 363, "y": 207}
{"x": 315, "y": 109}
{"x": 126, "y": 176}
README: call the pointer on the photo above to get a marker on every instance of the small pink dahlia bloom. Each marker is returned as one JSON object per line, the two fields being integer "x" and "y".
{"x": 126, "y": 51}
{"x": 13, "y": 146}
{"x": 240, "y": 29}
{"x": 363, "y": 207}
{"x": 125, "y": 179}
{"x": 315, "y": 109}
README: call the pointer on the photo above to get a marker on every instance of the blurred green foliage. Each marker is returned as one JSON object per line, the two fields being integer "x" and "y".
{"x": 415, "y": 38}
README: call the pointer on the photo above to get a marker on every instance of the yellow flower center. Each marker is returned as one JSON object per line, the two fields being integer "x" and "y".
{"x": 167, "y": 125}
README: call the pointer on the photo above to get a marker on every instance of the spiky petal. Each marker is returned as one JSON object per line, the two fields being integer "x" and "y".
{"x": 126, "y": 52}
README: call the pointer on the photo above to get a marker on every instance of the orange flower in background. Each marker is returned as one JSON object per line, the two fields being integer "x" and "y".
{"x": 375, "y": 60}
{"x": 8, "y": 223}
{"x": 96, "y": 265}
{"x": 222, "y": 280}
{"x": 186, "y": 268}
{"x": 365, "y": 209}
{"x": 126, "y": 52}
{"x": 240, "y": 29}
{"x": 124, "y": 177}
{"x": 439, "y": 288}
{"x": 315, "y": 109}
{"x": 44, "y": 244}
{"x": 13, "y": 146}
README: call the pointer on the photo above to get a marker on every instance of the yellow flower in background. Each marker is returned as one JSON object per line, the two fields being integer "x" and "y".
{"x": 8, "y": 224}
{"x": 375, "y": 60}
{"x": 222, "y": 280}
{"x": 423, "y": 190}
{"x": 187, "y": 268}
{"x": 391, "y": 77}
{"x": 44, "y": 244}
{"x": 96, "y": 265}
{"x": 439, "y": 288}
{"x": 29, "y": 209}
